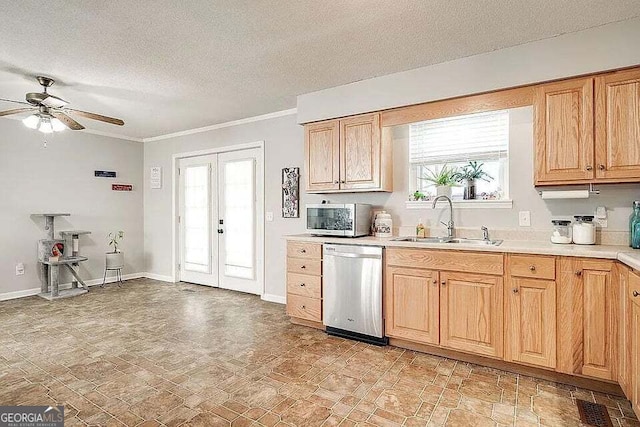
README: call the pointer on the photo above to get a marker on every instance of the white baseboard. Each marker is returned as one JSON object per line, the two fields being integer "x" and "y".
{"x": 159, "y": 277}
{"x": 274, "y": 298}
{"x": 93, "y": 282}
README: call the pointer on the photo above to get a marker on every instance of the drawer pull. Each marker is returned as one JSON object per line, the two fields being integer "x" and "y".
{"x": 636, "y": 294}
{"x": 303, "y": 285}
{"x": 515, "y": 290}
{"x": 303, "y": 267}
{"x": 532, "y": 267}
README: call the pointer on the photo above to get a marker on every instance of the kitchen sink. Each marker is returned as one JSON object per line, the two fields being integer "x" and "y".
{"x": 447, "y": 240}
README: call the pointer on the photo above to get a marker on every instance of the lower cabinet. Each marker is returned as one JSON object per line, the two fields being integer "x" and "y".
{"x": 530, "y": 313}
{"x": 471, "y": 313}
{"x": 413, "y": 304}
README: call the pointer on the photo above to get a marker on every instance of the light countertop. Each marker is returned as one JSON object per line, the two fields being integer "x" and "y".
{"x": 624, "y": 254}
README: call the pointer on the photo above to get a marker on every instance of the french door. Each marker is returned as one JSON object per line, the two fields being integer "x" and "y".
{"x": 220, "y": 218}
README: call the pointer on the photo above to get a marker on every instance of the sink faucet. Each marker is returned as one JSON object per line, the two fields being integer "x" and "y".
{"x": 449, "y": 225}
{"x": 485, "y": 233}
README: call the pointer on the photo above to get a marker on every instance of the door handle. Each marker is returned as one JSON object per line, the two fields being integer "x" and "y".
{"x": 220, "y": 231}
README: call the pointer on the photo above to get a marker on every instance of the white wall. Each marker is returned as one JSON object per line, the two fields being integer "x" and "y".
{"x": 596, "y": 49}
{"x": 60, "y": 178}
{"x": 283, "y": 147}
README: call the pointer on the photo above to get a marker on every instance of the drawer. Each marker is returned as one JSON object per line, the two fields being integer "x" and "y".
{"x": 304, "y": 307}
{"x": 304, "y": 250}
{"x": 449, "y": 260}
{"x": 634, "y": 288}
{"x": 304, "y": 285}
{"x": 537, "y": 267}
{"x": 304, "y": 266}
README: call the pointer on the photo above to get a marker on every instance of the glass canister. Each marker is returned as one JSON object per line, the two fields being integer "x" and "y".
{"x": 562, "y": 232}
{"x": 634, "y": 226}
{"x": 584, "y": 230}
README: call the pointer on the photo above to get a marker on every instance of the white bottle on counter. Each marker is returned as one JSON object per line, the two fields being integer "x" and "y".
{"x": 584, "y": 230}
{"x": 383, "y": 225}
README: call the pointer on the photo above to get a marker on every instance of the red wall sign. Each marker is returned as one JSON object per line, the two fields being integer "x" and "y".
{"x": 122, "y": 187}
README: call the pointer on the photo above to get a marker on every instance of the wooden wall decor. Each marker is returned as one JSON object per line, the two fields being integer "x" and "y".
{"x": 291, "y": 193}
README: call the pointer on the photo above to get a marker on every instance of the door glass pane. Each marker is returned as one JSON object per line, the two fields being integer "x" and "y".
{"x": 196, "y": 219}
{"x": 239, "y": 218}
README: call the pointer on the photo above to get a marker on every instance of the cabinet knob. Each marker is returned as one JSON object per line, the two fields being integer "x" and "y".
{"x": 589, "y": 167}
{"x": 435, "y": 282}
{"x": 515, "y": 290}
{"x": 303, "y": 267}
{"x": 601, "y": 167}
{"x": 336, "y": 182}
{"x": 444, "y": 283}
{"x": 579, "y": 273}
{"x": 303, "y": 285}
{"x": 303, "y": 251}
{"x": 532, "y": 267}
{"x": 636, "y": 294}
{"x": 343, "y": 182}
{"x": 304, "y": 307}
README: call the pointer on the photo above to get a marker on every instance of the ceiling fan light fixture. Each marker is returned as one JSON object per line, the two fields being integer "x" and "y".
{"x": 45, "y": 125}
{"x": 57, "y": 125}
{"x": 32, "y": 122}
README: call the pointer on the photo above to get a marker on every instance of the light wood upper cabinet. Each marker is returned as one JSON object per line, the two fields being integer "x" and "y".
{"x": 531, "y": 321}
{"x": 412, "y": 304}
{"x": 348, "y": 155}
{"x": 322, "y": 156}
{"x": 471, "y": 313}
{"x": 587, "y": 311}
{"x": 617, "y": 118}
{"x": 563, "y": 132}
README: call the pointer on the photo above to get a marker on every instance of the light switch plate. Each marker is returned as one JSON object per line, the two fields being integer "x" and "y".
{"x": 524, "y": 218}
{"x": 269, "y": 216}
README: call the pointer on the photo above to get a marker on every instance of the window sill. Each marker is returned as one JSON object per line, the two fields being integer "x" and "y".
{"x": 462, "y": 204}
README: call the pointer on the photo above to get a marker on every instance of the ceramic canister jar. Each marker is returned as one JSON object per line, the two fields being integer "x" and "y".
{"x": 383, "y": 225}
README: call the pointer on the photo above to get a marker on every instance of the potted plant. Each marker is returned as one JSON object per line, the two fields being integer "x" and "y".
{"x": 468, "y": 176}
{"x": 115, "y": 259}
{"x": 443, "y": 179}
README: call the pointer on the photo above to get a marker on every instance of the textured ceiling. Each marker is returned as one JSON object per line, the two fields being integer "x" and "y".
{"x": 165, "y": 66}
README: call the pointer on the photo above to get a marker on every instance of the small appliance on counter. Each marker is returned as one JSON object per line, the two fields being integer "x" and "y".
{"x": 584, "y": 230}
{"x": 342, "y": 220}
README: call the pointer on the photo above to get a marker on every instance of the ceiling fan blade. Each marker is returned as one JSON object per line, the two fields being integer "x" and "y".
{"x": 53, "y": 101}
{"x": 98, "y": 117}
{"x": 68, "y": 121}
{"x": 16, "y": 111}
{"x": 15, "y": 102}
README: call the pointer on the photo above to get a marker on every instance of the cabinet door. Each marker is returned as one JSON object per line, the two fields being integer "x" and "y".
{"x": 598, "y": 323}
{"x": 618, "y": 125}
{"x": 635, "y": 398}
{"x": 625, "y": 331}
{"x": 471, "y": 315}
{"x": 360, "y": 152}
{"x": 412, "y": 304}
{"x": 563, "y": 132}
{"x": 531, "y": 316}
{"x": 322, "y": 156}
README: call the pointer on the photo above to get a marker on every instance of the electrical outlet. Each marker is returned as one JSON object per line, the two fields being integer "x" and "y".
{"x": 269, "y": 216}
{"x": 19, "y": 269}
{"x": 524, "y": 218}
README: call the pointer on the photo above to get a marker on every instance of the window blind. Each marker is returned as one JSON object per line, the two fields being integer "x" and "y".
{"x": 460, "y": 139}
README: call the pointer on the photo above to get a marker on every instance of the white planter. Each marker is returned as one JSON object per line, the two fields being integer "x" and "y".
{"x": 115, "y": 260}
{"x": 443, "y": 190}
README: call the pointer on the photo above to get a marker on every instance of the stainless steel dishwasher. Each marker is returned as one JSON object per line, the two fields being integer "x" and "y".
{"x": 352, "y": 292}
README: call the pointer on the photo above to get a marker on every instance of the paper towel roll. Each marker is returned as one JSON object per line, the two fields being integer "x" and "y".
{"x": 569, "y": 194}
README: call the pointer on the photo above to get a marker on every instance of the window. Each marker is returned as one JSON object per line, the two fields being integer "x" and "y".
{"x": 455, "y": 141}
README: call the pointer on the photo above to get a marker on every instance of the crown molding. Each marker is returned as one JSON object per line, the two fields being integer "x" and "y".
{"x": 267, "y": 116}
{"x": 112, "y": 135}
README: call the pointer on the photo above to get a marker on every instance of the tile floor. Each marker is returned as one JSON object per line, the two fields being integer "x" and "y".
{"x": 153, "y": 354}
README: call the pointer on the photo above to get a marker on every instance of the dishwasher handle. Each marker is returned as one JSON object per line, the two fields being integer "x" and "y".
{"x": 351, "y": 255}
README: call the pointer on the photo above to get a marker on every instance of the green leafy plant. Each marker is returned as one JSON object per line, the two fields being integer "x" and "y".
{"x": 115, "y": 238}
{"x": 471, "y": 172}
{"x": 443, "y": 176}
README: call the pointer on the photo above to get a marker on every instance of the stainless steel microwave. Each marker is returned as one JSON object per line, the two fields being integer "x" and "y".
{"x": 344, "y": 220}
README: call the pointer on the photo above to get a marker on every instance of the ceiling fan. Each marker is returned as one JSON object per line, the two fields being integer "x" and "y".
{"x": 50, "y": 112}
